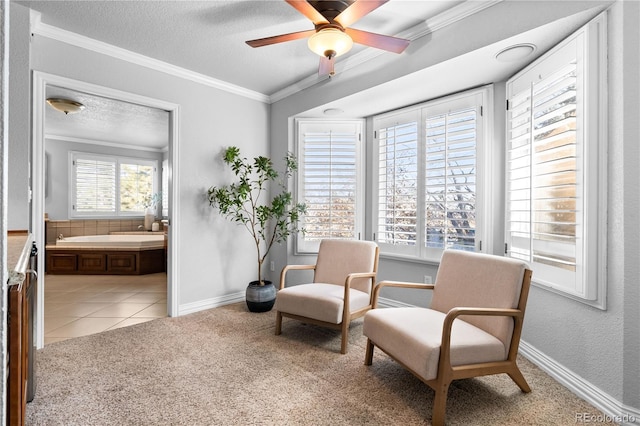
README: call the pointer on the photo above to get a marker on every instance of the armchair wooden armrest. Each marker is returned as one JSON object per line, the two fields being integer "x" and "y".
{"x": 445, "y": 346}
{"x": 293, "y": 267}
{"x": 351, "y": 277}
{"x": 401, "y": 284}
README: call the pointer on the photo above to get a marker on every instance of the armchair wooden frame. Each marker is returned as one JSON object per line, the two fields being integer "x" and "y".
{"x": 347, "y": 315}
{"x": 446, "y": 372}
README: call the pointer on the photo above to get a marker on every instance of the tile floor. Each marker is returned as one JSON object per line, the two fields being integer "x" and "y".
{"x": 79, "y": 305}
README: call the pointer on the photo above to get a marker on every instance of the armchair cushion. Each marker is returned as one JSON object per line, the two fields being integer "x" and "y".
{"x": 320, "y": 301}
{"x": 339, "y": 258}
{"x": 406, "y": 328}
{"x": 479, "y": 280}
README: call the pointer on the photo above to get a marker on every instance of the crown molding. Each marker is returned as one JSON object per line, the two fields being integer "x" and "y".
{"x": 440, "y": 21}
{"x": 55, "y": 33}
{"x": 103, "y": 143}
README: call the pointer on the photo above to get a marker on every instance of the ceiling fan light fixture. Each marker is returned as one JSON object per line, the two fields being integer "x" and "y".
{"x": 65, "y": 105}
{"x": 330, "y": 42}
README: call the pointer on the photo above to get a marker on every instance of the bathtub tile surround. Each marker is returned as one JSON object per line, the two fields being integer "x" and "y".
{"x": 81, "y": 227}
{"x": 81, "y": 305}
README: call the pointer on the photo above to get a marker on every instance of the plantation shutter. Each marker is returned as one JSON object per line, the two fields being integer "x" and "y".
{"x": 95, "y": 185}
{"x": 546, "y": 171}
{"x": 450, "y": 181}
{"x": 398, "y": 182}
{"x": 329, "y": 181}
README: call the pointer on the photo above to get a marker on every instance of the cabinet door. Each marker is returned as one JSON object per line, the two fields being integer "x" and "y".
{"x": 61, "y": 263}
{"x": 123, "y": 263}
{"x": 16, "y": 352}
{"x": 92, "y": 263}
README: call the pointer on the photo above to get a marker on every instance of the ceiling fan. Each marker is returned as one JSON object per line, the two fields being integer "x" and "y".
{"x": 332, "y": 36}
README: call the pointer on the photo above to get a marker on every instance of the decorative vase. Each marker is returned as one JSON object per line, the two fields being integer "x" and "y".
{"x": 260, "y": 298}
{"x": 149, "y": 217}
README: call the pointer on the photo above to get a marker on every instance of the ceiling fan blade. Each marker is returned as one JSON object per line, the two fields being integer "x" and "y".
{"x": 384, "y": 42}
{"x": 280, "y": 38}
{"x": 309, "y": 11}
{"x": 326, "y": 66}
{"x": 357, "y": 10}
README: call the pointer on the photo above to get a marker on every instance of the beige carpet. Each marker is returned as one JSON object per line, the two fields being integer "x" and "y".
{"x": 225, "y": 366}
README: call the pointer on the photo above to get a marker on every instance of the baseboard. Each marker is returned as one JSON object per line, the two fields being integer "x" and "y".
{"x": 612, "y": 408}
{"x": 214, "y": 302}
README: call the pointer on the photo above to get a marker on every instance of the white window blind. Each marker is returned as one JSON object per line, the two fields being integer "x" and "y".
{"x": 95, "y": 185}
{"x": 553, "y": 167}
{"x": 451, "y": 180}
{"x": 427, "y": 176}
{"x": 329, "y": 181}
{"x": 398, "y": 183}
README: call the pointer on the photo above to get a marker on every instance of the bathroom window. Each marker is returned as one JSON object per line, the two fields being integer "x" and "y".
{"x": 107, "y": 186}
{"x": 330, "y": 181}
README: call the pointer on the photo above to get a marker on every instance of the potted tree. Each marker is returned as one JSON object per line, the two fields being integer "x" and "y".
{"x": 267, "y": 221}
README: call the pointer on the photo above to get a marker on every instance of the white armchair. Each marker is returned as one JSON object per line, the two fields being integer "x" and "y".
{"x": 342, "y": 288}
{"x": 472, "y": 328}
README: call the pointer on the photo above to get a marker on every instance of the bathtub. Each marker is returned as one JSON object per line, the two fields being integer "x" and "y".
{"x": 113, "y": 241}
{"x": 107, "y": 255}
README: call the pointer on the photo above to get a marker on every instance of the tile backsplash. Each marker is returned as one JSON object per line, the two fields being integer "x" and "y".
{"x": 76, "y": 228}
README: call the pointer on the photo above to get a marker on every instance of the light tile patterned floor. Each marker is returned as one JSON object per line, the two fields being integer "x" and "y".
{"x": 78, "y": 305}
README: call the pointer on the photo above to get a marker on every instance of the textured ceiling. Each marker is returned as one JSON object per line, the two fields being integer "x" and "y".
{"x": 107, "y": 121}
{"x": 209, "y": 36}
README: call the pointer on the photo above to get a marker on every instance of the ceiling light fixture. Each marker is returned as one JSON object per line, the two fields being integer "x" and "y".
{"x": 332, "y": 111}
{"x": 515, "y": 52}
{"x": 65, "y": 105}
{"x": 330, "y": 42}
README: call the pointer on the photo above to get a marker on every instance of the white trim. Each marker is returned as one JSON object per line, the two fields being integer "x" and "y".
{"x": 78, "y": 40}
{"x": 582, "y": 388}
{"x": 450, "y": 16}
{"x": 39, "y": 82}
{"x": 102, "y": 143}
{"x": 214, "y": 302}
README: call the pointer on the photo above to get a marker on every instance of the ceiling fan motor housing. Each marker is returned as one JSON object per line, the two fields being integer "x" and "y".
{"x": 330, "y": 8}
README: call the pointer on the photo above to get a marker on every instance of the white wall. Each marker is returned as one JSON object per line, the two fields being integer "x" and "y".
{"x": 212, "y": 260}
{"x": 600, "y": 347}
{"x": 4, "y": 135}
{"x": 19, "y": 124}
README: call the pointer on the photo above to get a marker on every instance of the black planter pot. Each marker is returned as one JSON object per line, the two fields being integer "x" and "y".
{"x": 260, "y": 298}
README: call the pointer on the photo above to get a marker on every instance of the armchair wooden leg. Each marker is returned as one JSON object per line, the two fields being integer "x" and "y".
{"x": 368, "y": 356}
{"x": 345, "y": 337}
{"x": 440, "y": 404}
{"x": 278, "y": 323}
{"x": 516, "y": 376}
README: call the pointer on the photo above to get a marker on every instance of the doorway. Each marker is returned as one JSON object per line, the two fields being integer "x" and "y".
{"x": 42, "y": 84}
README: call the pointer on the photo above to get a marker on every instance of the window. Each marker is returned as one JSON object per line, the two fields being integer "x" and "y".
{"x": 330, "y": 181}
{"x": 555, "y": 165}
{"x": 110, "y": 186}
{"x": 428, "y": 161}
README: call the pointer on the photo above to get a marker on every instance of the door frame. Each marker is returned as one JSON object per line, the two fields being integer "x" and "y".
{"x": 40, "y": 80}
